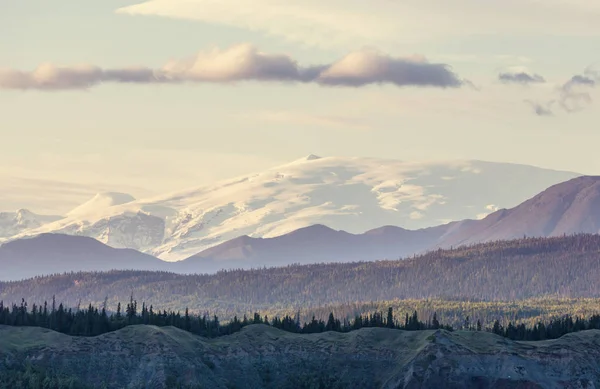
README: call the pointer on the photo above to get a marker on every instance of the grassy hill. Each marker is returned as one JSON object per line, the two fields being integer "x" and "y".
{"x": 263, "y": 357}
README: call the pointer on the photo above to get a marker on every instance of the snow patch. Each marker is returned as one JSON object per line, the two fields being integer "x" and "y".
{"x": 350, "y": 194}
{"x": 101, "y": 201}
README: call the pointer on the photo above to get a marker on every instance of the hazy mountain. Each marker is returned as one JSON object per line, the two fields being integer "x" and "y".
{"x": 505, "y": 270}
{"x": 54, "y": 253}
{"x": 312, "y": 244}
{"x": 566, "y": 208}
{"x": 351, "y": 194}
{"x": 260, "y": 356}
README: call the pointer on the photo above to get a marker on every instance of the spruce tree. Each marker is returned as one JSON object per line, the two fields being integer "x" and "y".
{"x": 390, "y": 318}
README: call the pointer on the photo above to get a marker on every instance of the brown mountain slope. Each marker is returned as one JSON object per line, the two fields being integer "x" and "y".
{"x": 313, "y": 244}
{"x": 566, "y": 208}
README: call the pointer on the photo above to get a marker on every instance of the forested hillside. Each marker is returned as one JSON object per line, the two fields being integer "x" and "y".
{"x": 560, "y": 267}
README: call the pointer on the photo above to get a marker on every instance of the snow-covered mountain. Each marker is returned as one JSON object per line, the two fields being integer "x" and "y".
{"x": 350, "y": 194}
{"x": 570, "y": 207}
{"x": 14, "y": 223}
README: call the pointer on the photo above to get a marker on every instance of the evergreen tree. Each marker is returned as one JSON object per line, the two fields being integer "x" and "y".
{"x": 435, "y": 322}
{"x": 390, "y": 318}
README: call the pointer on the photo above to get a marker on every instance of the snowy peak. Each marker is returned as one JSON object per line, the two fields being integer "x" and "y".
{"x": 13, "y": 223}
{"x": 308, "y": 158}
{"x": 342, "y": 193}
{"x": 100, "y": 202}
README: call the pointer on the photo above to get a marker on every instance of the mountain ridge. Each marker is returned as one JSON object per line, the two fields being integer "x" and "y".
{"x": 567, "y": 208}
{"x": 57, "y": 253}
{"x": 271, "y": 358}
{"x": 352, "y": 194}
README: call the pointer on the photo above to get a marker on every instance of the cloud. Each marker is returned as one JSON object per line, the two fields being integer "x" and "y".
{"x": 370, "y": 66}
{"x": 520, "y": 77}
{"x": 572, "y": 96}
{"x": 575, "y": 93}
{"x": 387, "y": 24}
{"x": 244, "y": 62}
{"x": 48, "y": 76}
{"x": 541, "y": 109}
{"x": 237, "y": 63}
{"x": 51, "y": 77}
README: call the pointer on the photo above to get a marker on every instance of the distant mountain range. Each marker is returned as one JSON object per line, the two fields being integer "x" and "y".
{"x": 350, "y": 194}
{"x": 566, "y": 208}
{"x": 559, "y": 267}
{"x": 55, "y": 253}
{"x": 312, "y": 244}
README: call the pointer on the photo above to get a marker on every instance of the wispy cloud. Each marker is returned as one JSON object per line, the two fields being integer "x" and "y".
{"x": 575, "y": 93}
{"x": 541, "y": 109}
{"x": 522, "y": 77}
{"x": 244, "y": 62}
{"x": 572, "y": 96}
{"x": 347, "y": 23}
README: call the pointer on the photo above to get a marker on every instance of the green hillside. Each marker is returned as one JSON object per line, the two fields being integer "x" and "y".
{"x": 264, "y": 357}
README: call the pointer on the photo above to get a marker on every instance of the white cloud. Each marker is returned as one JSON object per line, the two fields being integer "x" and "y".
{"x": 348, "y": 23}
{"x": 243, "y": 62}
{"x": 239, "y": 62}
{"x": 370, "y": 66}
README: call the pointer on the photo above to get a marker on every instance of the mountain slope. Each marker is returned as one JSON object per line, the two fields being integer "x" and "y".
{"x": 351, "y": 194}
{"x": 314, "y": 244}
{"x": 566, "y": 208}
{"x": 54, "y": 253}
{"x": 263, "y": 357}
{"x": 566, "y": 267}
{"x": 14, "y": 223}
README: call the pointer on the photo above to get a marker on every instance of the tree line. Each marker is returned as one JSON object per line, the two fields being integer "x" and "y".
{"x": 93, "y": 321}
{"x": 562, "y": 267}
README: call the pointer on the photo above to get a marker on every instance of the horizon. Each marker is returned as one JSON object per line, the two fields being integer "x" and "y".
{"x": 299, "y": 194}
{"x": 150, "y": 96}
{"x": 147, "y": 195}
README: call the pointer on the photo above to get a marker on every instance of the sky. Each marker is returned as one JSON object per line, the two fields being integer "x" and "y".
{"x": 156, "y": 96}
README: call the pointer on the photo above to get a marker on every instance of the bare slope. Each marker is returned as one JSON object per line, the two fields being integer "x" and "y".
{"x": 566, "y": 208}
{"x": 264, "y": 357}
